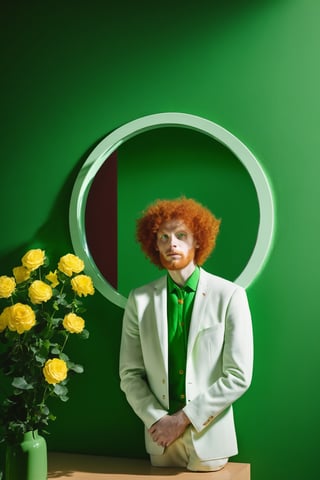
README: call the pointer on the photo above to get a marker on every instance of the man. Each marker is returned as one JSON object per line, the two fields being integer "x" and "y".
{"x": 186, "y": 350}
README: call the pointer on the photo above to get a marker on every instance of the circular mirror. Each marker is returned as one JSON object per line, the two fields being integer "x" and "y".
{"x": 127, "y": 170}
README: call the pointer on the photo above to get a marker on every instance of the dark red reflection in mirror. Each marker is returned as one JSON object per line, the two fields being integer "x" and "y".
{"x": 101, "y": 220}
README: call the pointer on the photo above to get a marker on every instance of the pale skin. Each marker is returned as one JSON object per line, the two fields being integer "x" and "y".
{"x": 176, "y": 246}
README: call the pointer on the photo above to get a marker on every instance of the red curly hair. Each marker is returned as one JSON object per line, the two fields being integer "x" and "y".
{"x": 203, "y": 224}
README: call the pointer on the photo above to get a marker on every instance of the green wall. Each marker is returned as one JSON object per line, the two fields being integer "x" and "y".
{"x": 72, "y": 71}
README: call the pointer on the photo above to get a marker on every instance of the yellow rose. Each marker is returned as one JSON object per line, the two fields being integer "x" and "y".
{"x": 39, "y": 292}
{"x": 55, "y": 371}
{"x": 21, "y": 274}
{"x": 69, "y": 264}
{"x": 33, "y": 259}
{"x": 53, "y": 278}
{"x": 4, "y": 318}
{"x": 21, "y": 318}
{"x": 7, "y": 286}
{"x": 82, "y": 285}
{"x": 72, "y": 323}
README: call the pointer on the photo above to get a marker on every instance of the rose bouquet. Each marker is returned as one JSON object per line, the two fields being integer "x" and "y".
{"x": 41, "y": 309}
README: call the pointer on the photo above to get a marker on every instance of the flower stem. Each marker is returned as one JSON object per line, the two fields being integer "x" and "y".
{"x": 44, "y": 395}
{"x": 65, "y": 341}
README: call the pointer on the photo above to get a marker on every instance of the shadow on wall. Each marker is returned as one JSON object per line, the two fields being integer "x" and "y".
{"x": 54, "y": 235}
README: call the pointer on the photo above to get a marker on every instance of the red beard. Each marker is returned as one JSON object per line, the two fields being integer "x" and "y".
{"x": 179, "y": 263}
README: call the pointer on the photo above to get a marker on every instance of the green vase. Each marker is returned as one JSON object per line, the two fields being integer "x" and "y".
{"x": 28, "y": 459}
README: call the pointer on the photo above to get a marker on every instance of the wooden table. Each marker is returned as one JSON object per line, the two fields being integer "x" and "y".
{"x": 65, "y": 466}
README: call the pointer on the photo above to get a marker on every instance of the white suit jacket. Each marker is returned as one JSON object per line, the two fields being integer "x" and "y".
{"x": 219, "y": 360}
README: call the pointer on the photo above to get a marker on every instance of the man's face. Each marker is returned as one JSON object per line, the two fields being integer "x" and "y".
{"x": 176, "y": 245}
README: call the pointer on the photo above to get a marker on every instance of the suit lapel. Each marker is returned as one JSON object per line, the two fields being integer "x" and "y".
{"x": 198, "y": 316}
{"x": 160, "y": 308}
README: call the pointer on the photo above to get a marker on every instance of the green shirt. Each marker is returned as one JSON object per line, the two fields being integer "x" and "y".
{"x": 180, "y": 305}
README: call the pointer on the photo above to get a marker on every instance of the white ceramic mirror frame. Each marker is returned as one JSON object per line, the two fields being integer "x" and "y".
{"x": 112, "y": 141}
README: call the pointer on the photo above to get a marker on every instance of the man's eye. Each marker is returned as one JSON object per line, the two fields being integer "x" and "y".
{"x": 163, "y": 237}
{"x": 181, "y": 235}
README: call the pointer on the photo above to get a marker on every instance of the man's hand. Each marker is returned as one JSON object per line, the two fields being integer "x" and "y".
{"x": 169, "y": 428}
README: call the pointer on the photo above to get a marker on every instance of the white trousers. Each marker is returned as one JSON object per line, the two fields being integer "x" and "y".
{"x": 181, "y": 453}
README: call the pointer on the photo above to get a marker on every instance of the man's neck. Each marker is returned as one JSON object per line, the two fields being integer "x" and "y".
{"x": 181, "y": 276}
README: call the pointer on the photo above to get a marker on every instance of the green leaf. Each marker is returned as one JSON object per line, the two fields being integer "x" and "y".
{"x": 45, "y": 344}
{"x": 75, "y": 368}
{"x": 21, "y": 383}
{"x": 64, "y": 357}
{"x": 17, "y": 391}
{"x": 61, "y": 300}
{"x": 55, "y": 321}
{"x": 55, "y": 351}
{"x": 55, "y": 306}
{"x": 60, "y": 390}
{"x": 44, "y": 410}
{"x": 84, "y": 334}
{"x": 40, "y": 359}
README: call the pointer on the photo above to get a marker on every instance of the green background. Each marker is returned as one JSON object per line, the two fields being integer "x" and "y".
{"x": 72, "y": 71}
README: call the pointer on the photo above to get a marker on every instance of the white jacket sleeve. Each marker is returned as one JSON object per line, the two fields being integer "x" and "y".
{"x": 133, "y": 372}
{"x": 235, "y": 366}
